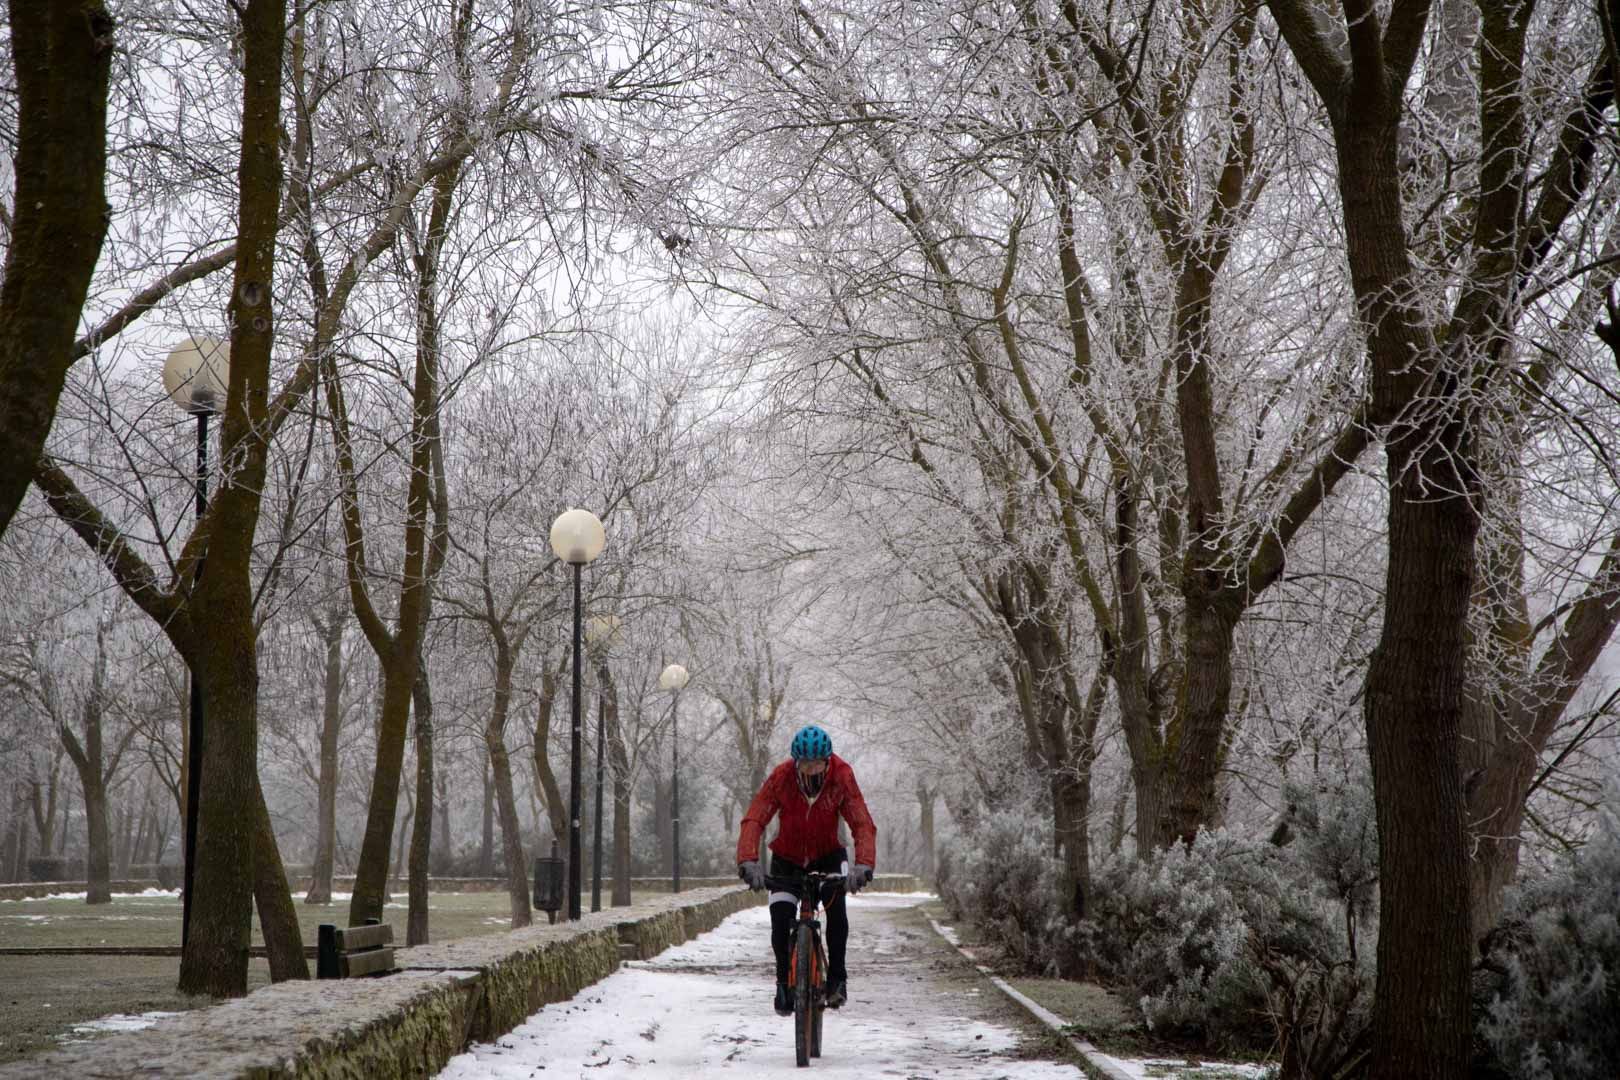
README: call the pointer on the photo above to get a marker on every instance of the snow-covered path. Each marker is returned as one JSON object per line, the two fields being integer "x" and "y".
{"x": 916, "y": 1012}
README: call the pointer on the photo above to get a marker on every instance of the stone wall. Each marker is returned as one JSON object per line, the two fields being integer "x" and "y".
{"x": 403, "y": 1025}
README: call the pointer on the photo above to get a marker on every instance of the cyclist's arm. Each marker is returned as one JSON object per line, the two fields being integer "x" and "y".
{"x": 759, "y": 815}
{"x": 861, "y": 825}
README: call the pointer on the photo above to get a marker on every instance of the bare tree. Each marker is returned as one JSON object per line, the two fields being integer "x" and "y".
{"x": 1426, "y": 366}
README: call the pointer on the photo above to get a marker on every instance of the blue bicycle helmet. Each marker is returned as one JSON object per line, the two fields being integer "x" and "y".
{"x": 810, "y": 743}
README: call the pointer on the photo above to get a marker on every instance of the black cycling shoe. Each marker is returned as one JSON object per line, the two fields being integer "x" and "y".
{"x": 837, "y": 992}
{"x": 784, "y": 1000}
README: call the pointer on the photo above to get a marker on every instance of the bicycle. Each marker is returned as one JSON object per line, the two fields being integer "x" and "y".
{"x": 807, "y": 962}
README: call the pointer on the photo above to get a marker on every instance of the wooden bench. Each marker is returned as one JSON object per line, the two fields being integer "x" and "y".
{"x": 344, "y": 952}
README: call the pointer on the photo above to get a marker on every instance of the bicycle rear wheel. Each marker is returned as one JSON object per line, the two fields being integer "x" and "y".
{"x": 803, "y": 1010}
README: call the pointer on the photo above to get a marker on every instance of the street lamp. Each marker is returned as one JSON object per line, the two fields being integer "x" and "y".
{"x": 196, "y": 375}
{"x": 601, "y": 631}
{"x": 577, "y": 537}
{"x": 674, "y": 677}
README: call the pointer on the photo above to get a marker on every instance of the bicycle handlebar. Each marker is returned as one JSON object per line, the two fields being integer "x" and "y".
{"x": 794, "y": 884}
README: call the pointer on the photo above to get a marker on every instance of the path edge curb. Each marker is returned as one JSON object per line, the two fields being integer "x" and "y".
{"x": 1093, "y": 1057}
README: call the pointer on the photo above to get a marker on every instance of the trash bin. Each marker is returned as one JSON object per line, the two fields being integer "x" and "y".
{"x": 549, "y": 883}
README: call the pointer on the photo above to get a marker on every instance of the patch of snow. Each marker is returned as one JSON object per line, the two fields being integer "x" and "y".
{"x": 171, "y": 893}
{"x": 115, "y": 1022}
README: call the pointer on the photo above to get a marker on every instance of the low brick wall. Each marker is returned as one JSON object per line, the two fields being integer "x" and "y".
{"x": 36, "y": 890}
{"x": 403, "y": 1025}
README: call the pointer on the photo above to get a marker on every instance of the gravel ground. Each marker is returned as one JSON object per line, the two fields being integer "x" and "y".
{"x": 918, "y": 1011}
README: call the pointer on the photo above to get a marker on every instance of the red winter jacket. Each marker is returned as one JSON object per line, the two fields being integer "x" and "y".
{"x": 809, "y": 829}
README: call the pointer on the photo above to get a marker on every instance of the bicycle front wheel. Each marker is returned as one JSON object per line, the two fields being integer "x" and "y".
{"x": 818, "y": 1004}
{"x": 803, "y": 1009}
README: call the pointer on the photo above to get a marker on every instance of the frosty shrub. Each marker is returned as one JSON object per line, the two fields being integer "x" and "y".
{"x": 1003, "y": 878}
{"x": 1230, "y": 942}
{"x": 1236, "y": 942}
{"x": 1553, "y": 969}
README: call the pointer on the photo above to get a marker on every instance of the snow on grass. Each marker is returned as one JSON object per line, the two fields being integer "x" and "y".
{"x": 108, "y": 1024}
{"x": 100, "y": 917}
{"x": 173, "y": 894}
{"x": 703, "y": 1008}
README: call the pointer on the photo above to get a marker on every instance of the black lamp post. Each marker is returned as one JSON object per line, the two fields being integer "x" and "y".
{"x": 578, "y": 538}
{"x": 196, "y": 375}
{"x": 674, "y": 677}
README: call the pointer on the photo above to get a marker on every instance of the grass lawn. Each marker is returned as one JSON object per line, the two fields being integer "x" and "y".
{"x": 42, "y": 998}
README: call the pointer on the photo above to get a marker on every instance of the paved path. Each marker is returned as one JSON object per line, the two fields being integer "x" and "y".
{"x": 918, "y": 1011}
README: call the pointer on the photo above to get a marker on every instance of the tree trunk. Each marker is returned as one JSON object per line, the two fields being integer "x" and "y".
{"x": 556, "y": 808}
{"x": 1138, "y": 711}
{"x": 123, "y": 836}
{"x": 619, "y": 764}
{"x": 926, "y": 797}
{"x": 517, "y": 884}
{"x": 427, "y": 348}
{"x": 1198, "y": 739}
{"x": 443, "y": 852}
{"x": 662, "y": 824}
{"x": 89, "y": 760}
{"x": 398, "y": 846}
{"x": 161, "y": 824}
{"x": 320, "y": 872}
{"x": 486, "y": 838}
{"x": 416, "y": 916}
{"x": 97, "y": 869}
{"x": 278, "y": 917}
{"x": 16, "y": 836}
{"x": 377, "y": 844}
{"x": 132, "y": 835}
{"x": 223, "y": 641}
{"x": 1414, "y": 691}
{"x": 61, "y": 54}
{"x": 43, "y": 805}
{"x": 1511, "y": 711}
{"x": 1417, "y": 675}
{"x": 1047, "y": 693}
{"x": 400, "y": 652}
{"x": 1416, "y": 683}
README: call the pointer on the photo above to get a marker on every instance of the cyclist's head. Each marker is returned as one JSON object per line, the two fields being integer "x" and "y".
{"x": 811, "y": 744}
{"x": 811, "y": 748}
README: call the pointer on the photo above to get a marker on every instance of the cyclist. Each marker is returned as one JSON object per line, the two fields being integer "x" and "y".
{"x": 810, "y": 791}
